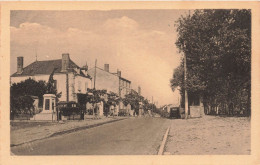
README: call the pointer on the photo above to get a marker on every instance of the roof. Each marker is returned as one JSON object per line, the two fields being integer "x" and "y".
{"x": 115, "y": 74}
{"x": 125, "y": 79}
{"x": 46, "y": 67}
{"x": 133, "y": 91}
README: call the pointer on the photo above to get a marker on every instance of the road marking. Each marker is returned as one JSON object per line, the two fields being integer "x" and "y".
{"x": 163, "y": 142}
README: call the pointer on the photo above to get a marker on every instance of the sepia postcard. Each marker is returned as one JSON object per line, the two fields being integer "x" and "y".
{"x": 118, "y": 82}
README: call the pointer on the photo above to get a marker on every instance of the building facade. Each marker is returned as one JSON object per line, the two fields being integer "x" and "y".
{"x": 69, "y": 78}
{"x": 112, "y": 82}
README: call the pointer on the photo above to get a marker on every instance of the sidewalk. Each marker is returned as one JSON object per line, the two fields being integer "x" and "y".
{"x": 209, "y": 135}
{"x": 48, "y": 129}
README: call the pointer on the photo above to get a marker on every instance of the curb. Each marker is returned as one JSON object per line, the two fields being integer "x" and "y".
{"x": 69, "y": 131}
{"x": 83, "y": 127}
{"x": 164, "y": 142}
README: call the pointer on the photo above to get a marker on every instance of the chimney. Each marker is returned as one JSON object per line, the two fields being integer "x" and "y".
{"x": 106, "y": 67}
{"x": 119, "y": 73}
{"x": 19, "y": 65}
{"x": 65, "y": 62}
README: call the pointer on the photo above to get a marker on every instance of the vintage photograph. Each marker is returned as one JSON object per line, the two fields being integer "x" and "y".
{"x": 130, "y": 82}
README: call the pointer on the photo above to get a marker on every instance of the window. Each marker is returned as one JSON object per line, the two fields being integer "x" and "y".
{"x": 47, "y": 104}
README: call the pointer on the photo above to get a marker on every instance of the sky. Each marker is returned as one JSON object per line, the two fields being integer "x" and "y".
{"x": 140, "y": 43}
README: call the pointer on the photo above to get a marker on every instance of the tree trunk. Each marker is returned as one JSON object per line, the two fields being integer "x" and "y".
{"x": 249, "y": 103}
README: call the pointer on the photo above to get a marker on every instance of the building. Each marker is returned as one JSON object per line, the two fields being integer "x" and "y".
{"x": 196, "y": 108}
{"x": 195, "y": 102}
{"x": 112, "y": 82}
{"x": 69, "y": 78}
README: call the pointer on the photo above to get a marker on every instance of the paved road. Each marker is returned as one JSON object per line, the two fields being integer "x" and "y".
{"x": 133, "y": 136}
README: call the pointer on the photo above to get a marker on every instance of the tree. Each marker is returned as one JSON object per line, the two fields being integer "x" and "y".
{"x": 112, "y": 100}
{"x": 95, "y": 96}
{"x": 133, "y": 99}
{"x": 217, "y": 46}
{"x": 20, "y": 95}
{"x": 146, "y": 105}
{"x": 21, "y": 105}
{"x": 29, "y": 87}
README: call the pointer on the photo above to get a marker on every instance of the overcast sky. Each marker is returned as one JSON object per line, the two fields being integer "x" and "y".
{"x": 140, "y": 43}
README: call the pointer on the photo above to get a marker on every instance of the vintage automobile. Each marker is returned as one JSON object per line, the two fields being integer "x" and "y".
{"x": 71, "y": 110}
{"x": 175, "y": 112}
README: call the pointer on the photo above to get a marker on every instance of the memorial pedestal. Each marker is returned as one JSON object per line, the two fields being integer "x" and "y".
{"x": 49, "y": 108}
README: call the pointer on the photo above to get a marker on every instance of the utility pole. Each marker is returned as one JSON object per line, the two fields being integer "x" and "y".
{"x": 186, "y": 93}
{"x": 95, "y": 74}
{"x": 35, "y": 54}
{"x": 152, "y": 103}
{"x": 185, "y": 84}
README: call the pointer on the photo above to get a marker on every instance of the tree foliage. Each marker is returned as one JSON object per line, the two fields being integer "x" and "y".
{"x": 133, "y": 99}
{"x": 95, "y": 96}
{"x": 217, "y": 46}
{"x": 112, "y": 99}
{"x": 29, "y": 87}
{"x": 20, "y": 95}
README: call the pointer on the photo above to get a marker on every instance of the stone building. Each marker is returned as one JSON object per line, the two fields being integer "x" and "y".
{"x": 195, "y": 102}
{"x": 112, "y": 82}
{"x": 69, "y": 78}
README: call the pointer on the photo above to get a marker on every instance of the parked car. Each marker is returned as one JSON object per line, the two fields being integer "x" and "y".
{"x": 123, "y": 112}
{"x": 175, "y": 112}
{"x": 71, "y": 109}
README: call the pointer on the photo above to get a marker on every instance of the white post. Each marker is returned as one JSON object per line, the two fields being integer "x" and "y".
{"x": 186, "y": 93}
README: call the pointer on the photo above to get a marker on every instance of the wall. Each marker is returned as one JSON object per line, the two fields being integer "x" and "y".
{"x": 76, "y": 85}
{"x": 72, "y": 94}
{"x": 81, "y": 84}
{"x": 105, "y": 80}
{"x": 125, "y": 87}
{"x": 61, "y": 84}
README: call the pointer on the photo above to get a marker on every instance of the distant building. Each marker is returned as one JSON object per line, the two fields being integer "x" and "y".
{"x": 112, "y": 82}
{"x": 196, "y": 108}
{"x": 68, "y": 77}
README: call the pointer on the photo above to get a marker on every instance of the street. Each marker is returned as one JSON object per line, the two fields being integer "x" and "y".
{"x": 144, "y": 136}
{"x": 133, "y": 136}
